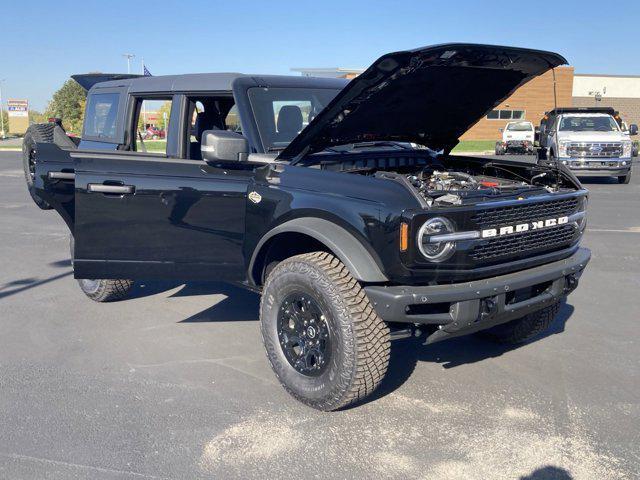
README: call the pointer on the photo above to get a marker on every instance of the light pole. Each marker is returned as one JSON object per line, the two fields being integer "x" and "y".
{"x": 128, "y": 56}
{"x": 1, "y": 111}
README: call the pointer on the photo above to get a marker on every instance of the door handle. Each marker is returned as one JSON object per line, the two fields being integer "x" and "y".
{"x": 102, "y": 188}
{"x": 61, "y": 175}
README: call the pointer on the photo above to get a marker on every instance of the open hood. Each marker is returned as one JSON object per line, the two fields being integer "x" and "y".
{"x": 429, "y": 96}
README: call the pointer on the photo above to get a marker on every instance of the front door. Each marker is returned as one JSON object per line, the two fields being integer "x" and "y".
{"x": 143, "y": 216}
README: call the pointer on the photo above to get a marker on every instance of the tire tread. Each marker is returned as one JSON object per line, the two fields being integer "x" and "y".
{"x": 110, "y": 290}
{"x": 37, "y": 133}
{"x": 370, "y": 332}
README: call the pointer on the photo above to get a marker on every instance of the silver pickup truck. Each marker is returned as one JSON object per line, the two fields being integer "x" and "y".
{"x": 589, "y": 141}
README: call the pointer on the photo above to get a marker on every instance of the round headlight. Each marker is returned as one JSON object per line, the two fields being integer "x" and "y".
{"x": 433, "y": 250}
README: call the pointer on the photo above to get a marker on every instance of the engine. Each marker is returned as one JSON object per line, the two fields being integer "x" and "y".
{"x": 444, "y": 186}
{"x": 442, "y": 180}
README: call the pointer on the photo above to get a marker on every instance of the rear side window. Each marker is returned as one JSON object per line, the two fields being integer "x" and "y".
{"x": 101, "y": 115}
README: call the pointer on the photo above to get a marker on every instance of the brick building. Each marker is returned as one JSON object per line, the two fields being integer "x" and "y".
{"x": 530, "y": 102}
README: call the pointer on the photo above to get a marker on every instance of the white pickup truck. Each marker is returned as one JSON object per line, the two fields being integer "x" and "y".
{"x": 517, "y": 137}
{"x": 589, "y": 141}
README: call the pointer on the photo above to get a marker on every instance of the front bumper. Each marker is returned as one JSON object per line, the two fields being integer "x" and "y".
{"x": 598, "y": 168}
{"x": 462, "y": 308}
{"x": 518, "y": 145}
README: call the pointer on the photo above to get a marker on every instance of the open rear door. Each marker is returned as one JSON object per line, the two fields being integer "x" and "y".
{"x": 54, "y": 180}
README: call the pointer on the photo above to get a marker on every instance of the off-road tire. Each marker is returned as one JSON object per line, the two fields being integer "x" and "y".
{"x": 360, "y": 343}
{"x": 499, "y": 150}
{"x": 523, "y": 329}
{"x": 625, "y": 179}
{"x": 41, "y": 133}
{"x": 106, "y": 290}
{"x": 102, "y": 290}
{"x": 38, "y": 133}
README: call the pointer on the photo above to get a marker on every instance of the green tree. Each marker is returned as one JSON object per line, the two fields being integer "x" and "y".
{"x": 36, "y": 117}
{"x": 164, "y": 110}
{"x": 68, "y": 103}
{"x": 5, "y": 117}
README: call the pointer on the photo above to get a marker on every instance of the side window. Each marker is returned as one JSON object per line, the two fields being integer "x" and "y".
{"x": 101, "y": 115}
{"x": 209, "y": 113}
{"x": 197, "y": 108}
{"x": 152, "y": 125}
{"x": 232, "y": 120}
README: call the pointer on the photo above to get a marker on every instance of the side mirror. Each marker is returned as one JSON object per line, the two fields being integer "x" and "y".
{"x": 633, "y": 129}
{"x": 501, "y": 130}
{"x": 223, "y": 145}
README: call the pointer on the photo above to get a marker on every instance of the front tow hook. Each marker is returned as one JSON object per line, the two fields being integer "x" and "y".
{"x": 570, "y": 283}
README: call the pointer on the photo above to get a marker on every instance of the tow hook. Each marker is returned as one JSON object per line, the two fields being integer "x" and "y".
{"x": 488, "y": 307}
{"x": 570, "y": 283}
{"x": 408, "y": 332}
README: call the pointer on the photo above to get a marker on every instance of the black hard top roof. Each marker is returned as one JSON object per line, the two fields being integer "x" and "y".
{"x": 560, "y": 111}
{"x": 194, "y": 82}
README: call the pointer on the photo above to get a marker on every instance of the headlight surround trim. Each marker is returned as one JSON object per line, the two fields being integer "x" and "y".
{"x": 440, "y": 251}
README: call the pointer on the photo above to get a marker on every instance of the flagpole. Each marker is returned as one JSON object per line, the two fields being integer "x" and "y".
{"x": 144, "y": 111}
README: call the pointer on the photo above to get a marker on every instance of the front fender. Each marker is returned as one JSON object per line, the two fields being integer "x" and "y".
{"x": 360, "y": 262}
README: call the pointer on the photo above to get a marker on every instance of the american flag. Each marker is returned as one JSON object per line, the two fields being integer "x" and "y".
{"x": 146, "y": 71}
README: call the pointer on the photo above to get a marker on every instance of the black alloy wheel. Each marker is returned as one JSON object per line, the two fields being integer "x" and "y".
{"x": 304, "y": 334}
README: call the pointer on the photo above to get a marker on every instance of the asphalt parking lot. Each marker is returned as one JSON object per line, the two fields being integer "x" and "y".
{"x": 174, "y": 383}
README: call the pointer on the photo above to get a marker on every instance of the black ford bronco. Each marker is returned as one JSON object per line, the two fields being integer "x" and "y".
{"x": 338, "y": 201}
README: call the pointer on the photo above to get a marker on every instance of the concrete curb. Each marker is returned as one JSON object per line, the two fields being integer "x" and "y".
{"x": 486, "y": 152}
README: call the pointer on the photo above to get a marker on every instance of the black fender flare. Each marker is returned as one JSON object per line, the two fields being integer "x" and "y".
{"x": 344, "y": 245}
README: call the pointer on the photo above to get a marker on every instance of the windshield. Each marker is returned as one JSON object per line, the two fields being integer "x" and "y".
{"x": 520, "y": 127}
{"x": 282, "y": 113}
{"x": 588, "y": 124}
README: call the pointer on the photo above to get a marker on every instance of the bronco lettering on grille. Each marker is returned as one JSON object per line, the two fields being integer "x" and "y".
{"x": 524, "y": 227}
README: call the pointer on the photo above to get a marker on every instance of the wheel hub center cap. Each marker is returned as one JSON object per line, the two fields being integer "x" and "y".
{"x": 311, "y": 332}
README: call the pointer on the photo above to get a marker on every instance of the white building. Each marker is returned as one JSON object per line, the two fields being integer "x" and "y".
{"x": 337, "y": 72}
{"x": 621, "y": 92}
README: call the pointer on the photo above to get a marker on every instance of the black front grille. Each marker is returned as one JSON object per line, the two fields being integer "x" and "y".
{"x": 514, "y": 214}
{"x": 522, "y": 244}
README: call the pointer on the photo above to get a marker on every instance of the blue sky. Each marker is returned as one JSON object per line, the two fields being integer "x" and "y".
{"x": 43, "y": 42}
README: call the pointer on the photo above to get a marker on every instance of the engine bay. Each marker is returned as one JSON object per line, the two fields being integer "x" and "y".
{"x": 442, "y": 180}
{"x": 451, "y": 187}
